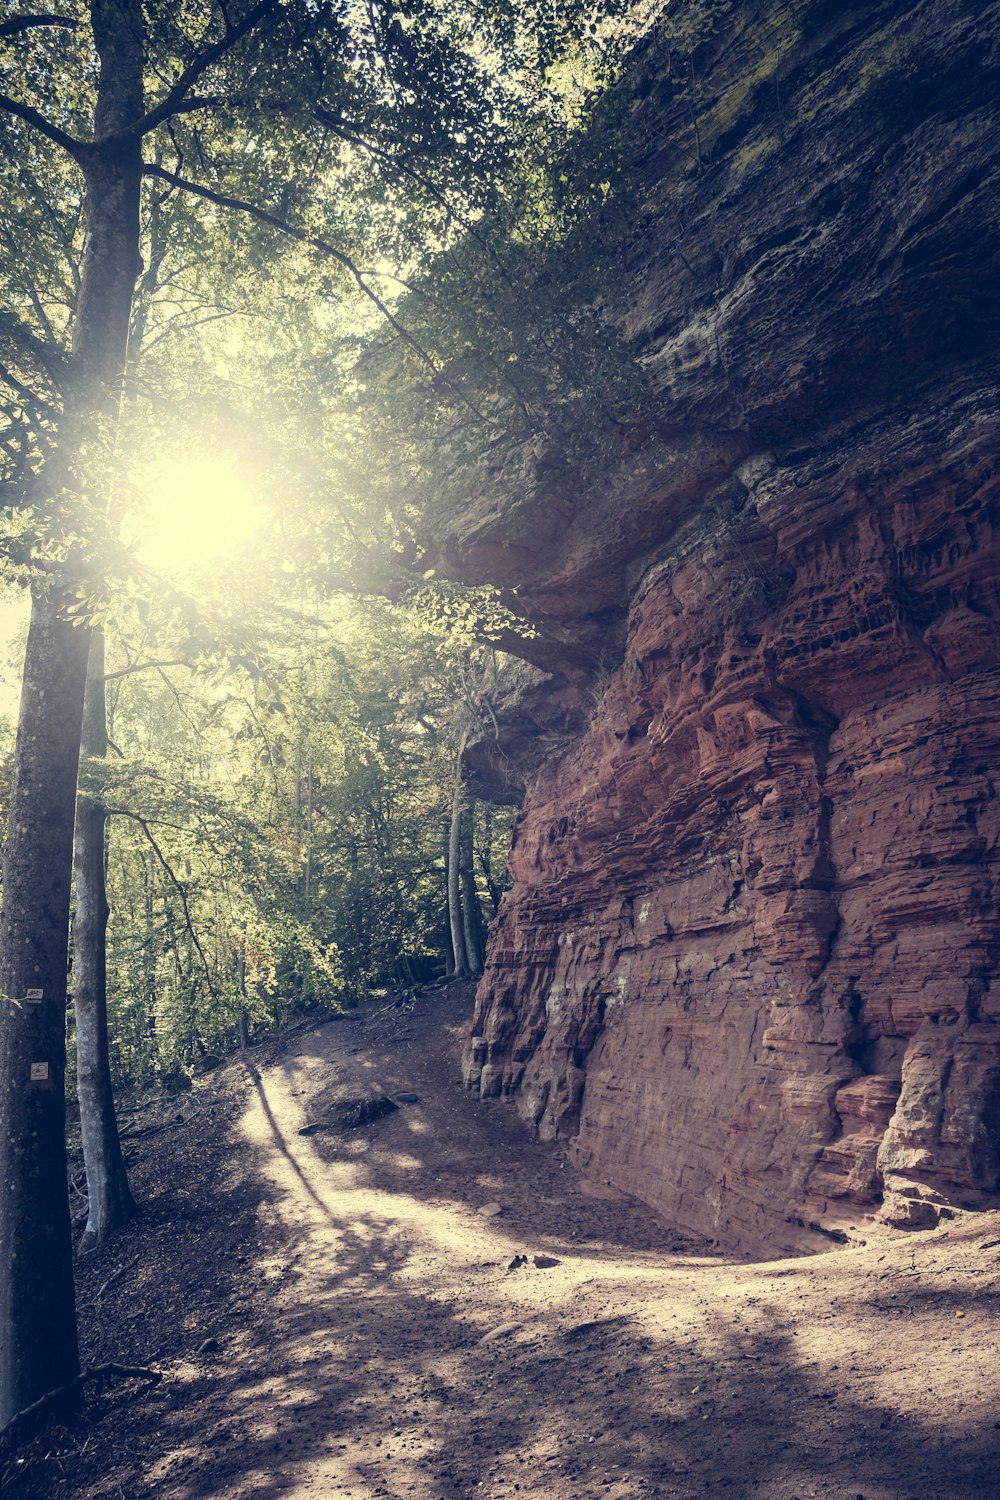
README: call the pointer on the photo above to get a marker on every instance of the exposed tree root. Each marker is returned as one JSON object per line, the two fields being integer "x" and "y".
{"x": 28, "y": 1423}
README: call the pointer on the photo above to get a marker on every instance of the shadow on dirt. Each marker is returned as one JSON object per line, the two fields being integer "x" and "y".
{"x": 397, "y": 1393}
{"x": 377, "y": 1381}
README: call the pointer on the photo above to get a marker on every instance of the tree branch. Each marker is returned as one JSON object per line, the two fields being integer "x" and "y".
{"x": 28, "y": 1421}
{"x": 223, "y": 200}
{"x": 27, "y": 395}
{"x": 196, "y": 102}
{"x": 404, "y": 169}
{"x": 41, "y": 198}
{"x": 78, "y": 150}
{"x": 145, "y": 666}
{"x": 17, "y": 24}
{"x": 177, "y": 699}
{"x": 173, "y": 101}
{"x": 143, "y": 824}
{"x": 176, "y": 325}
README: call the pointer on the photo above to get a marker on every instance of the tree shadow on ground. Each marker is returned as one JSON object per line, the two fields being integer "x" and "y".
{"x": 347, "y": 1362}
{"x": 379, "y": 1384}
{"x": 374, "y": 1388}
{"x": 479, "y": 1151}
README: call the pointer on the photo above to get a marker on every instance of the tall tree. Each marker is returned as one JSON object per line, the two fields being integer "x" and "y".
{"x": 462, "y": 962}
{"x": 109, "y": 1198}
{"x": 398, "y": 86}
{"x": 38, "y": 1349}
{"x": 37, "y": 1324}
{"x": 472, "y": 912}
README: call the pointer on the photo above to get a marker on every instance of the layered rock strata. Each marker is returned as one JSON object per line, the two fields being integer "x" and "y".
{"x": 747, "y": 965}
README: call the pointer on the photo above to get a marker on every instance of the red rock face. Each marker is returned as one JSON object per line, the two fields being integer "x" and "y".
{"x": 758, "y": 900}
{"x": 746, "y": 963}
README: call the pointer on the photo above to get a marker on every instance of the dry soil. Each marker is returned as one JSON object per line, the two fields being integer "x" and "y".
{"x": 335, "y": 1315}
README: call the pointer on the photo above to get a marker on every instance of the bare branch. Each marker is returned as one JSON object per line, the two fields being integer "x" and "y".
{"x": 182, "y": 893}
{"x": 17, "y": 24}
{"x": 224, "y": 200}
{"x": 177, "y": 699}
{"x": 28, "y": 1421}
{"x": 27, "y": 395}
{"x": 78, "y": 150}
{"x": 195, "y": 102}
{"x": 145, "y": 666}
{"x": 175, "y": 325}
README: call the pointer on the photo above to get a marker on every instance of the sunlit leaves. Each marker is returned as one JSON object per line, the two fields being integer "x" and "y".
{"x": 298, "y": 798}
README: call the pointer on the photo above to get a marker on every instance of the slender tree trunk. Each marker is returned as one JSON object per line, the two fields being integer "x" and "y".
{"x": 449, "y": 958}
{"x": 37, "y": 1321}
{"x": 149, "y": 959}
{"x": 472, "y": 914}
{"x": 38, "y": 1349}
{"x": 486, "y": 858}
{"x": 459, "y": 955}
{"x": 110, "y": 1199}
{"x": 308, "y": 870}
{"x": 241, "y": 980}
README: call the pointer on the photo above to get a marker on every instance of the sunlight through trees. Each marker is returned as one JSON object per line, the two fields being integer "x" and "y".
{"x": 222, "y": 225}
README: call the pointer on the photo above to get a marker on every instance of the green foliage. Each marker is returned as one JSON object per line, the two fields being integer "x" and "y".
{"x": 465, "y": 613}
{"x": 386, "y": 193}
{"x": 377, "y": 242}
{"x": 277, "y": 827}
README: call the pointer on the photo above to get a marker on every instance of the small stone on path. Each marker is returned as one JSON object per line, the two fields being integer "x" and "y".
{"x": 503, "y": 1332}
{"x": 351, "y": 1113}
{"x": 490, "y": 1210}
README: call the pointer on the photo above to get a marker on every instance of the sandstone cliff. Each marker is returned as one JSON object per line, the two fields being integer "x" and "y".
{"x": 746, "y": 963}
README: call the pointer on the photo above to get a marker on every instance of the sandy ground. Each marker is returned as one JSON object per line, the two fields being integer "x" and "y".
{"x": 370, "y": 1340}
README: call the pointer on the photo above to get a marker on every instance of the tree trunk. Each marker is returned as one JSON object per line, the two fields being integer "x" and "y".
{"x": 37, "y": 1323}
{"x": 486, "y": 858}
{"x": 449, "y": 957}
{"x": 241, "y": 980}
{"x": 459, "y": 956}
{"x": 151, "y": 1041}
{"x": 472, "y": 914}
{"x": 37, "y": 1319}
{"x": 110, "y": 1199}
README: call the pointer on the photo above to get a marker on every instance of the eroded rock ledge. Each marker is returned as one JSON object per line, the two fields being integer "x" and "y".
{"x": 747, "y": 961}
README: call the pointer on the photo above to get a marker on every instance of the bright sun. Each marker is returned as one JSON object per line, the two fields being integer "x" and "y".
{"x": 194, "y": 515}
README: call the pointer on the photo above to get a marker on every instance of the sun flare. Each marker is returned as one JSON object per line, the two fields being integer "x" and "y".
{"x": 194, "y": 515}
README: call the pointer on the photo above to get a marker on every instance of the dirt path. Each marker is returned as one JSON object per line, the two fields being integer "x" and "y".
{"x": 372, "y": 1342}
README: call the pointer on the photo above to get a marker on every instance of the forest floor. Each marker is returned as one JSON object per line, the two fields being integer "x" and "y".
{"x": 366, "y": 1337}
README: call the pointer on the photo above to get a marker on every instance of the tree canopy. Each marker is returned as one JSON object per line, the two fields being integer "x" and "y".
{"x": 272, "y": 271}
